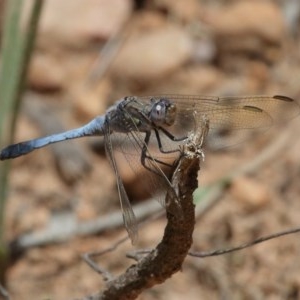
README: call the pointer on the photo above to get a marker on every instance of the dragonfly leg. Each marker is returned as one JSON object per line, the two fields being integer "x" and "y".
{"x": 145, "y": 156}
{"x": 170, "y": 136}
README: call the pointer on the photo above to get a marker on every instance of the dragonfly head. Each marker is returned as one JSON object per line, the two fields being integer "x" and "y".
{"x": 163, "y": 112}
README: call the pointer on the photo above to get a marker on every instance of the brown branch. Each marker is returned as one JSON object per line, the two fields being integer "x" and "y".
{"x": 167, "y": 258}
{"x": 245, "y": 245}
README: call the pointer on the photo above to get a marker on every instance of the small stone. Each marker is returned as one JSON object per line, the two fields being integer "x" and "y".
{"x": 46, "y": 73}
{"x": 260, "y": 18}
{"x": 153, "y": 55}
{"x": 90, "y": 101}
{"x": 76, "y": 22}
{"x": 250, "y": 193}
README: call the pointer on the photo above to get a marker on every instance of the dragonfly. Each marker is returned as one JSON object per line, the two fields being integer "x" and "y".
{"x": 163, "y": 123}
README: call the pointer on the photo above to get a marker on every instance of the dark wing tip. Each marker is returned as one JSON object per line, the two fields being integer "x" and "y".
{"x": 252, "y": 108}
{"x": 283, "y": 98}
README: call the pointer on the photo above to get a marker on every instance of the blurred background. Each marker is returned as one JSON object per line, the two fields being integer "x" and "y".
{"x": 87, "y": 55}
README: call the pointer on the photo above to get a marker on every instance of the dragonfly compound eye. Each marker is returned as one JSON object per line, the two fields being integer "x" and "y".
{"x": 163, "y": 112}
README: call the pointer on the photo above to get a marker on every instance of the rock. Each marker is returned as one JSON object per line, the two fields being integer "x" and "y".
{"x": 153, "y": 55}
{"x": 183, "y": 10}
{"x": 90, "y": 101}
{"x": 250, "y": 193}
{"x": 196, "y": 79}
{"x": 74, "y": 22}
{"x": 46, "y": 73}
{"x": 247, "y": 28}
{"x": 260, "y": 18}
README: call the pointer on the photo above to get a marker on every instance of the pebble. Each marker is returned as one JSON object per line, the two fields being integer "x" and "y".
{"x": 250, "y": 193}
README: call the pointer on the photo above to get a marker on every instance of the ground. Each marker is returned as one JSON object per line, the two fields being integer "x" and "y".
{"x": 176, "y": 47}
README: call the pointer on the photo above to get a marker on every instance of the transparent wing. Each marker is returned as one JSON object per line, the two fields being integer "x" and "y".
{"x": 221, "y": 109}
{"x": 127, "y": 211}
{"x": 153, "y": 177}
{"x": 230, "y": 113}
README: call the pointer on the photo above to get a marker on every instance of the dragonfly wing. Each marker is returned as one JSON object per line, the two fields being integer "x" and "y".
{"x": 127, "y": 211}
{"x": 155, "y": 181}
{"x": 240, "y": 114}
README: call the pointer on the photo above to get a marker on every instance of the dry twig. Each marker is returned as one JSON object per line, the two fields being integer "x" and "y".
{"x": 167, "y": 258}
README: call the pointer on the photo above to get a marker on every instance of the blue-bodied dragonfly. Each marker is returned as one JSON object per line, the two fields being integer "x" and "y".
{"x": 165, "y": 121}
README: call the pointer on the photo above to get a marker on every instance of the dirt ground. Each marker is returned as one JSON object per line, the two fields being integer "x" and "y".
{"x": 193, "y": 47}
